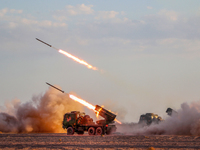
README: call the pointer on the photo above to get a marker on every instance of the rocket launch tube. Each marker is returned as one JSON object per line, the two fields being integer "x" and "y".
{"x": 109, "y": 117}
{"x": 44, "y": 42}
{"x": 55, "y": 87}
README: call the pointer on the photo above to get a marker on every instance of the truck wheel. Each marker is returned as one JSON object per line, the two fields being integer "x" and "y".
{"x": 70, "y": 131}
{"x": 99, "y": 131}
{"x": 91, "y": 131}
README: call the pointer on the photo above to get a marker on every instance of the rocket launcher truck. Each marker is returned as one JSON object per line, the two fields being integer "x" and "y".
{"x": 79, "y": 122}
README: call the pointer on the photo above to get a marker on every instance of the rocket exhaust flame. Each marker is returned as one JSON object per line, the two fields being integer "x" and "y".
{"x": 97, "y": 113}
{"x": 77, "y": 59}
{"x": 70, "y": 56}
{"x": 117, "y": 121}
{"x": 88, "y": 105}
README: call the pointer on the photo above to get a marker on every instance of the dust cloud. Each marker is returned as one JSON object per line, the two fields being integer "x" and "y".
{"x": 43, "y": 114}
{"x": 185, "y": 122}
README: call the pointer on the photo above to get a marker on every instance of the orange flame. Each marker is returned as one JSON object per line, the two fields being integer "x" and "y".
{"x": 88, "y": 105}
{"x": 118, "y": 121}
{"x": 77, "y": 59}
{"x": 97, "y": 113}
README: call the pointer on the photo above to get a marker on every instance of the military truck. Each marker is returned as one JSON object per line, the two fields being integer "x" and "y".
{"x": 149, "y": 118}
{"x": 171, "y": 112}
{"x": 77, "y": 122}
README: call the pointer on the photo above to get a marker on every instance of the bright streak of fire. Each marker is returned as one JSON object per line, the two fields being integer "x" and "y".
{"x": 77, "y": 59}
{"x": 97, "y": 113}
{"x": 118, "y": 121}
{"x": 90, "y": 106}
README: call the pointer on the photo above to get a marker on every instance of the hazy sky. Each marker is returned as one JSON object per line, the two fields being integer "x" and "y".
{"x": 149, "y": 52}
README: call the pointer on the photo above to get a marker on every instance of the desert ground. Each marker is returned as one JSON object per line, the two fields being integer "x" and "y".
{"x": 64, "y": 141}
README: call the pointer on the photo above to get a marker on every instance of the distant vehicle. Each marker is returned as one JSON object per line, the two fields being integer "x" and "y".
{"x": 149, "y": 118}
{"x": 170, "y": 111}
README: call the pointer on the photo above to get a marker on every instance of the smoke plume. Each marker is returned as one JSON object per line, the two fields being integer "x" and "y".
{"x": 43, "y": 113}
{"x": 185, "y": 122}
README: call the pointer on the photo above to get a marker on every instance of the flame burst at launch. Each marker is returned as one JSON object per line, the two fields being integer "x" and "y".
{"x": 77, "y": 59}
{"x": 118, "y": 121}
{"x": 90, "y": 106}
{"x": 97, "y": 113}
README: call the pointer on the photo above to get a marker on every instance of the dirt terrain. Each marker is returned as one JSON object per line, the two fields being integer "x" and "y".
{"x": 63, "y": 141}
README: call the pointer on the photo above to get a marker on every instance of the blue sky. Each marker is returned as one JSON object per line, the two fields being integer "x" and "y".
{"x": 149, "y": 51}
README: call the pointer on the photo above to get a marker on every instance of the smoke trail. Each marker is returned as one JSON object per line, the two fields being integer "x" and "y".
{"x": 42, "y": 114}
{"x": 186, "y": 122}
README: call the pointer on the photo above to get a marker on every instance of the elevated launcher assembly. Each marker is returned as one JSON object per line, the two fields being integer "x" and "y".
{"x": 108, "y": 116}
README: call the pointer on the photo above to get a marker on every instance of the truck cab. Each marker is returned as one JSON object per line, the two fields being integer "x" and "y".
{"x": 70, "y": 119}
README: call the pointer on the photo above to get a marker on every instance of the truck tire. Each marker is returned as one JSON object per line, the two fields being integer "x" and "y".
{"x": 91, "y": 131}
{"x": 99, "y": 131}
{"x": 70, "y": 131}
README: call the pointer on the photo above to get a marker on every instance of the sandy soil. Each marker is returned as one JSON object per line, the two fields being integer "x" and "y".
{"x": 63, "y": 141}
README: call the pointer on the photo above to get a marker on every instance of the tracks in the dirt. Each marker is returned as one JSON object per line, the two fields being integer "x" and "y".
{"x": 63, "y": 141}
